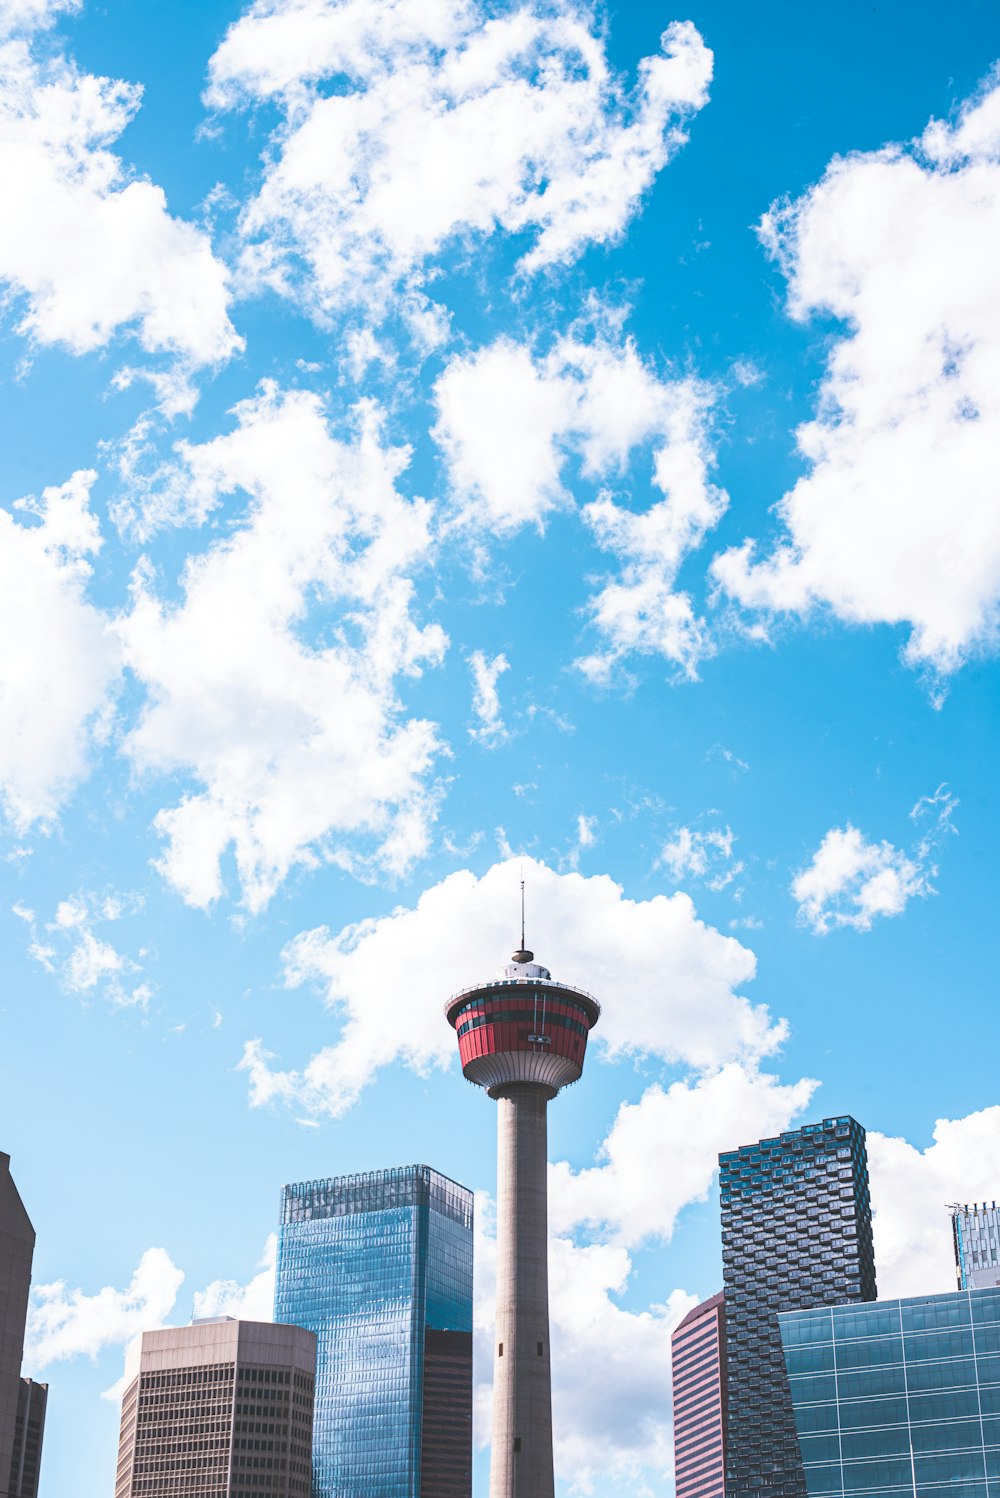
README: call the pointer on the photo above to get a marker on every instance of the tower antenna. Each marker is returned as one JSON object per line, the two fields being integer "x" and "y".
{"x": 522, "y": 907}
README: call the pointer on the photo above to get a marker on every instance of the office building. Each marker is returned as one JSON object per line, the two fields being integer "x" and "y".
{"x": 796, "y": 1233}
{"x": 218, "y": 1409}
{"x": 29, "y": 1430}
{"x": 522, "y": 1037}
{"x": 976, "y": 1235}
{"x": 17, "y": 1245}
{"x": 899, "y": 1398}
{"x": 698, "y": 1373}
{"x": 379, "y": 1267}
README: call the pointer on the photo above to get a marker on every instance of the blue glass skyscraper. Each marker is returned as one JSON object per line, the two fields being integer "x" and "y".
{"x": 379, "y": 1266}
{"x": 898, "y": 1398}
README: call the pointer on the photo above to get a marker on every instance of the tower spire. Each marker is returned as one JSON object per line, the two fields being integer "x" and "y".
{"x": 522, "y": 954}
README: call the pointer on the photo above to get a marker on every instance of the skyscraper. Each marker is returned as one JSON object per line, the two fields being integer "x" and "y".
{"x": 379, "y": 1266}
{"x": 796, "y": 1233}
{"x": 218, "y": 1409}
{"x": 698, "y": 1373}
{"x": 522, "y": 1037}
{"x": 899, "y": 1398}
{"x": 976, "y": 1235}
{"x": 17, "y": 1245}
{"x": 29, "y": 1430}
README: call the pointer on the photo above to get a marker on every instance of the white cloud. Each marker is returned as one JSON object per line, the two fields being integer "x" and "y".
{"x": 448, "y": 123}
{"x": 701, "y": 855}
{"x": 55, "y": 688}
{"x": 668, "y": 982}
{"x": 851, "y": 881}
{"x": 491, "y": 729}
{"x": 253, "y": 1301}
{"x": 895, "y": 520}
{"x": 586, "y": 837}
{"x": 611, "y": 1391}
{"x": 87, "y": 248}
{"x": 85, "y": 962}
{"x": 64, "y": 1323}
{"x": 628, "y": 1196}
{"x": 910, "y": 1192}
{"x": 272, "y": 683}
{"x": 509, "y": 423}
{"x": 31, "y": 15}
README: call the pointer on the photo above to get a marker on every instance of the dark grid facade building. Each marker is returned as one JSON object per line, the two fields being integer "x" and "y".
{"x": 29, "y": 1429}
{"x": 219, "y": 1409}
{"x": 379, "y": 1266}
{"x": 900, "y": 1399}
{"x": 796, "y": 1234}
{"x": 17, "y": 1247}
{"x": 698, "y": 1371}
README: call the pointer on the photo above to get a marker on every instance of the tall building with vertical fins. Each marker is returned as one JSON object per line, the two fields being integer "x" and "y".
{"x": 17, "y": 1247}
{"x": 976, "y": 1236}
{"x": 796, "y": 1234}
{"x": 698, "y": 1374}
{"x": 522, "y": 1037}
{"x": 379, "y": 1266}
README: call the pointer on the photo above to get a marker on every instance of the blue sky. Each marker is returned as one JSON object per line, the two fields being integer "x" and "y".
{"x": 437, "y": 439}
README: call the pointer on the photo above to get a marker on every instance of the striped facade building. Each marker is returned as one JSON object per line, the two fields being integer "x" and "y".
{"x": 698, "y": 1366}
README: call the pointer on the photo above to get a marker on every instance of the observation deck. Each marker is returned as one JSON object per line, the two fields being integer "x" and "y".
{"x": 522, "y": 1026}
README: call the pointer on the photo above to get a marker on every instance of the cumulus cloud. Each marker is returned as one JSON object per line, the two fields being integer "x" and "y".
{"x": 65, "y": 1323}
{"x": 670, "y": 983}
{"x": 85, "y": 961}
{"x": 253, "y": 1301}
{"x": 706, "y": 855}
{"x": 611, "y": 1393}
{"x": 272, "y": 681}
{"x": 510, "y": 421}
{"x": 56, "y": 687}
{"x": 31, "y": 15}
{"x": 490, "y": 728}
{"x": 449, "y": 122}
{"x": 851, "y": 881}
{"x": 896, "y": 520}
{"x": 910, "y": 1192}
{"x": 627, "y": 1196}
{"x": 86, "y": 248}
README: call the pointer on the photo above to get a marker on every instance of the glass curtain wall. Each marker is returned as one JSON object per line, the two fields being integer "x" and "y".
{"x": 900, "y": 1397}
{"x": 370, "y": 1263}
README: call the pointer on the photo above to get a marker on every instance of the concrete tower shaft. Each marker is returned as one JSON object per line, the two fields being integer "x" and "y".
{"x": 521, "y": 1461}
{"x": 522, "y": 1037}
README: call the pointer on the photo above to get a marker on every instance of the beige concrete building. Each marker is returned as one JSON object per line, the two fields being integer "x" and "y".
{"x": 218, "y": 1409}
{"x": 17, "y": 1245}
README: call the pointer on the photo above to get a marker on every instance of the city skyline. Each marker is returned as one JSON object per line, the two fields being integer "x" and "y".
{"x": 446, "y": 442}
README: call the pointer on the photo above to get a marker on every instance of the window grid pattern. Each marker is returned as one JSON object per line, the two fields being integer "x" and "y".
{"x": 222, "y": 1430}
{"x": 976, "y": 1231}
{"x": 899, "y": 1398}
{"x": 371, "y": 1264}
{"x": 796, "y": 1234}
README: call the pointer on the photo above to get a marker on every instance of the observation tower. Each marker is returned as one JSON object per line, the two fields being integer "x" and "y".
{"x": 522, "y": 1036}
